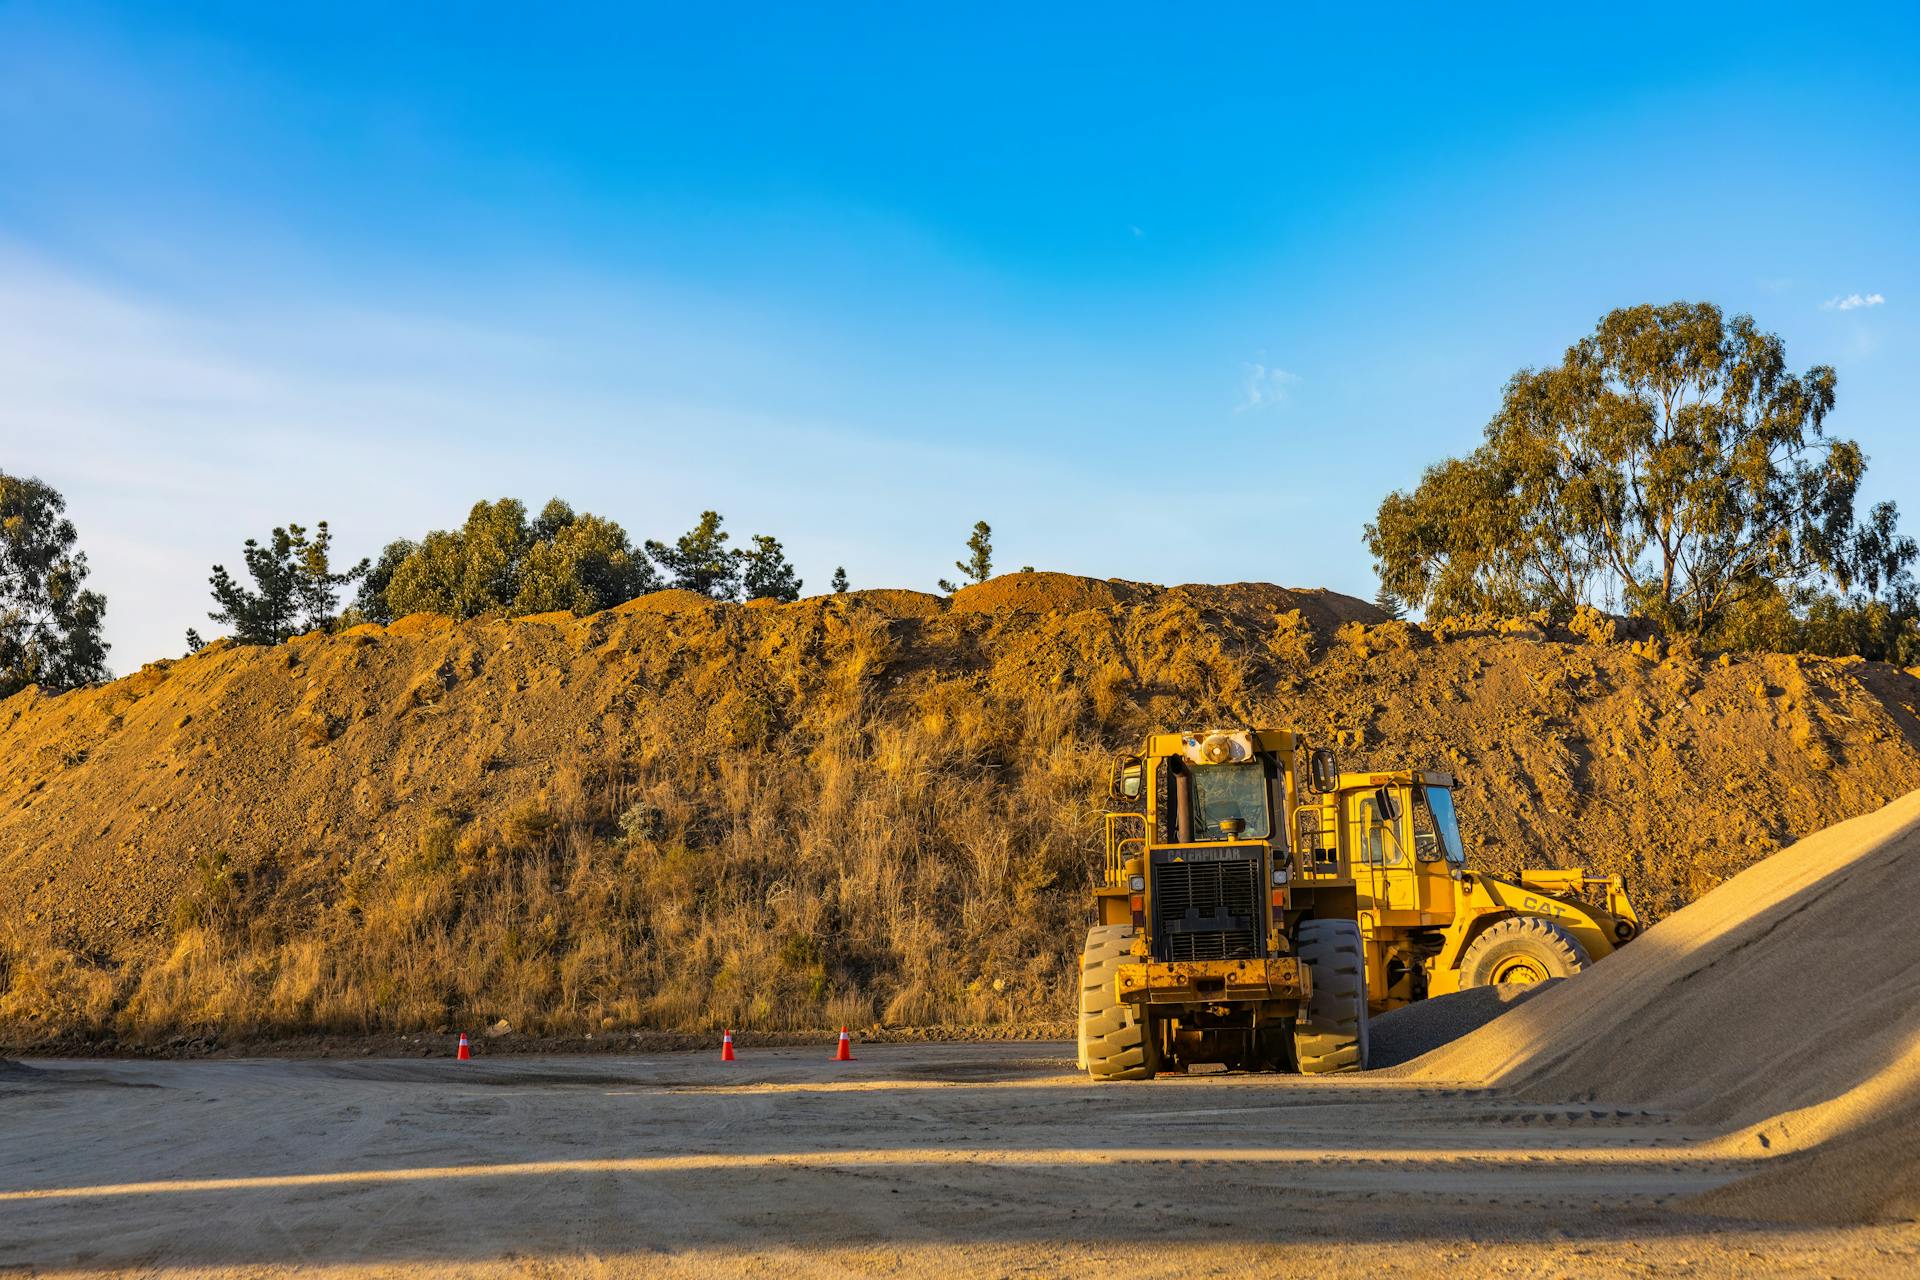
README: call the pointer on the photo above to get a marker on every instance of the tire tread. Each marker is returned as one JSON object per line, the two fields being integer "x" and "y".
{"x": 1536, "y": 935}
{"x": 1333, "y": 1035}
{"x": 1117, "y": 1043}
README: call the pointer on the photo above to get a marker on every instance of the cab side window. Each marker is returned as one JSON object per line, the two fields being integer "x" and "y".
{"x": 1379, "y": 846}
{"x": 1426, "y": 836}
{"x": 1372, "y": 841}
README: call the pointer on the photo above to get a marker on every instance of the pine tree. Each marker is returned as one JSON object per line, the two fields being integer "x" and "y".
{"x": 765, "y": 572}
{"x": 840, "y": 580}
{"x": 978, "y": 566}
{"x": 1388, "y": 603}
{"x": 700, "y": 560}
{"x": 295, "y": 587}
{"x": 316, "y": 586}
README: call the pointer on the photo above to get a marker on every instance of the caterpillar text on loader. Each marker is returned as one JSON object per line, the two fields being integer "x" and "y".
{"x": 1431, "y": 924}
{"x": 1212, "y": 941}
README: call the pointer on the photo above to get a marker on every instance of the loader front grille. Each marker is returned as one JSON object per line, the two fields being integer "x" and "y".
{"x": 1206, "y": 910}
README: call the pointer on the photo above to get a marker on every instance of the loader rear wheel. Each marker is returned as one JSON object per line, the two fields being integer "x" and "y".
{"x": 1115, "y": 1043}
{"x": 1332, "y": 1035}
{"x": 1522, "y": 949}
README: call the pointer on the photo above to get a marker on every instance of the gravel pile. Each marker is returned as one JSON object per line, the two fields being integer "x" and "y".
{"x": 1408, "y": 1032}
{"x": 1782, "y": 1009}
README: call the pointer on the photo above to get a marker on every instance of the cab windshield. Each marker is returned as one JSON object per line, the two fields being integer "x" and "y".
{"x": 1436, "y": 833}
{"x": 1226, "y": 791}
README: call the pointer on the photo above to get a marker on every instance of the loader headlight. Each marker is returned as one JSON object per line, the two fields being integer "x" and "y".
{"x": 1279, "y": 876}
{"x": 1136, "y": 884}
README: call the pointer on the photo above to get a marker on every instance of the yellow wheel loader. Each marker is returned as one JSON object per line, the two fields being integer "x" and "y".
{"x": 1256, "y": 907}
{"x": 1206, "y": 945}
{"x": 1432, "y": 924}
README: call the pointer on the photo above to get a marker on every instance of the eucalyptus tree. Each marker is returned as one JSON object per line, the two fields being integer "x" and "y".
{"x": 1671, "y": 462}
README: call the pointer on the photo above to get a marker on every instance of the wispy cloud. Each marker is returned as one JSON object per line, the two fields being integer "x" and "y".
{"x": 1853, "y": 301}
{"x": 1264, "y": 387}
{"x": 175, "y": 429}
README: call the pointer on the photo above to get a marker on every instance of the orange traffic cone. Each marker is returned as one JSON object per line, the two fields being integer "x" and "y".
{"x": 726, "y": 1047}
{"x": 845, "y": 1052}
{"x": 463, "y": 1053}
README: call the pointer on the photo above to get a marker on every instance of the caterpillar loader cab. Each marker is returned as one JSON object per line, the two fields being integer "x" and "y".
{"x": 1430, "y": 923}
{"x": 1218, "y": 934}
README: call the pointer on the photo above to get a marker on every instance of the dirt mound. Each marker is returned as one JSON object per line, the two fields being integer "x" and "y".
{"x": 871, "y": 808}
{"x": 1320, "y": 609}
{"x": 1065, "y": 593}
{"x": 672, "y": 600}
{"x": 1782, "y": 1008}
{"x": 414, "y": 624}
{"x": 1047, "y": 593}
{"x": 1780, "y": 989}
{"x": 1403, "y": 1034}
{"x": 896, "y": 602}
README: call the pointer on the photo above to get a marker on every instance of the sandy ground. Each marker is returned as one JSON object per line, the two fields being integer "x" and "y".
{"x": 976, "y": 1159}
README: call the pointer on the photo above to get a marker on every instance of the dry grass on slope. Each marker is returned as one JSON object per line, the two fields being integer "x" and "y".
{"x": 880, "y": 807}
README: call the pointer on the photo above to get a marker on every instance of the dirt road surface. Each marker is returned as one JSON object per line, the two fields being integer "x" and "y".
{"x": 977, "y": 1159}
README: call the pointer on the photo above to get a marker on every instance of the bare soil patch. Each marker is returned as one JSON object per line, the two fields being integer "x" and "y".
{"x": 974, "y": 1159}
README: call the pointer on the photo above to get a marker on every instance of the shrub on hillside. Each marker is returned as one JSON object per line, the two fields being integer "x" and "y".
{"x": 500, "y": 562}
{"x": 50, "y": 624}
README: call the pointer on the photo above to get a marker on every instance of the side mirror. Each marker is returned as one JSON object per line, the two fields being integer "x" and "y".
{"x": 1323, "y": 770}
{"x": 1386, "y": 804}
{"x": 1128, "y": 779}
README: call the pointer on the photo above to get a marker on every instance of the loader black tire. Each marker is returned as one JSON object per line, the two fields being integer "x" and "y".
{"x": 1115, "y": 1043}
{"x": 1332, "y": 1035}
{"x": 1521, "y": 949}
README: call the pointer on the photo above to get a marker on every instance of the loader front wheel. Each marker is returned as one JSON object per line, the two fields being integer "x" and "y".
{"x": 1115, "y": 1042}
{"x": 1332, "y": 1035}
{"x": 1521, "y": 949}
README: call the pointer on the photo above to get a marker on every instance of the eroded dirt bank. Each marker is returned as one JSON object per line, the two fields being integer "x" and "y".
{"x": 878, "y": 809}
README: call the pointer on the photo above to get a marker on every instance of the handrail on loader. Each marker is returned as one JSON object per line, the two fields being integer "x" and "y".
{"x": 1118, "y": 845}
{"x": 1319, "y": 855}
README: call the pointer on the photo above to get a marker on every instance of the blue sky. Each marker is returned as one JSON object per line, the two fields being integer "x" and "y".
{"x": 1166, "y": 294}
